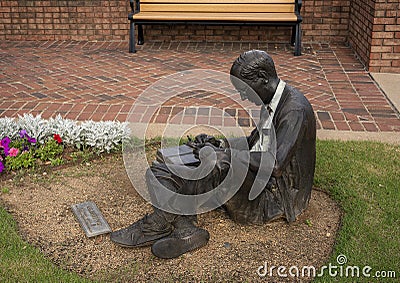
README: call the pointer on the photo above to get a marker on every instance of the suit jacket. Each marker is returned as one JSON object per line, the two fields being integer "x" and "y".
{"x": 289, "y": 188}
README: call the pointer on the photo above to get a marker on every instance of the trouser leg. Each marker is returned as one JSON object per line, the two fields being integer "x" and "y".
{"x": 161, "y": 182}
{"x": 173, "y": 234}
{"x": 186, "y": 235}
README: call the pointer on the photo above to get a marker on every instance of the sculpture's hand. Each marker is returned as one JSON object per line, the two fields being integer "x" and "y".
{"x": 222, "y": 155}
{"x": 203, "y": 139}
{"x": 198, "y": 147}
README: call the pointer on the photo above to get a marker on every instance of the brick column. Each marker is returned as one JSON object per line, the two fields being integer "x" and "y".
{"x": 385, "y": 44}
{"x": 375, "y": 33}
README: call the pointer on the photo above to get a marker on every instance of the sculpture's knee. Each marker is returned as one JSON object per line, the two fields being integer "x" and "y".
{"x": 159, "y": 176}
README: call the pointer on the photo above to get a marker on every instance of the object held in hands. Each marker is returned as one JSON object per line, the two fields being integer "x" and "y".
{"x": 178, "y": 155}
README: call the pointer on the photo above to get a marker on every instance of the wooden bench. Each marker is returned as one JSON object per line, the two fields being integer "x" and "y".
{"x": 216, "y": 12}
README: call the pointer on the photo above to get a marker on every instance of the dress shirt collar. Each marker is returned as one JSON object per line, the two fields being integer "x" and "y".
{"x": 277, "y": 96}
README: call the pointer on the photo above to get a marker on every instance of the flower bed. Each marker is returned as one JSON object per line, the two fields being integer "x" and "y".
{"x": 28, "y": 140}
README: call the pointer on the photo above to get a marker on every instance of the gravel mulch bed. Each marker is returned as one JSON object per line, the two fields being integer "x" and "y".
{"x": 41, "y": 205}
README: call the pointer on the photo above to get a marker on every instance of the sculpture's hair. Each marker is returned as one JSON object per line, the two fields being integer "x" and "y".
{"x": 251, "y": 62}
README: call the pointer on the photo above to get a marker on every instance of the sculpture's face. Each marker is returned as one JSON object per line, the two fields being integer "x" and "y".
{"x": 259, "y": 91}
{"x": 247, "y": 91}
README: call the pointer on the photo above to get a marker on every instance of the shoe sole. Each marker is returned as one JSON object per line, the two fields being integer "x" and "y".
{"x": 173, "y": 247}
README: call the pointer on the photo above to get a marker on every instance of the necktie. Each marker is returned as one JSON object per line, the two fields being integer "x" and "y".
{"x": 264, "y": 127}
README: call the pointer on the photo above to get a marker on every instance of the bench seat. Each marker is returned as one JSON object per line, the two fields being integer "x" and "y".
{"x": 216, "y": 12}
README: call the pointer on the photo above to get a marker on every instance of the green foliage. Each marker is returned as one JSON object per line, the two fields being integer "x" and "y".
{"x": 308, "y": 222}
{"x": 23, "y": 160}
{"x": 17, "y": 143}
{"x": 82, "y": 155}
{"x": 49, "y": 150}
{"x": 56, "y": 161}
{"x": 5, "y": 190}
{"x": 28, "y": 154}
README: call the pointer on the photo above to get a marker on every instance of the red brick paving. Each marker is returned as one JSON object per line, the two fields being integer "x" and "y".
{"x": 101, "y": 81}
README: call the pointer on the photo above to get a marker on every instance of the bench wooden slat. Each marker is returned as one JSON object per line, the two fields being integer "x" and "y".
{"x": 218, "y": 8}
{"x": 219, "y": 1}
{"x": 254, "y": 17}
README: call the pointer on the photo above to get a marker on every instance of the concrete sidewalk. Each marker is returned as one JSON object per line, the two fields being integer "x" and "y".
{"x": 101, "y": 81}
{"x": 390, "y": 85}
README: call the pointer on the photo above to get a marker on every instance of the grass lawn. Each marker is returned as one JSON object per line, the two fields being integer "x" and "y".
{"x": 20, "y": 262}
{"x": 363, "y": 177}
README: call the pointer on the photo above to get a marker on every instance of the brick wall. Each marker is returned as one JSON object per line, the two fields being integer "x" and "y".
{"x": 64, "y": 20}
{"x": 375, "y": 33}
{"x": 324, "y": 21}
{"x": 360, "y": 28}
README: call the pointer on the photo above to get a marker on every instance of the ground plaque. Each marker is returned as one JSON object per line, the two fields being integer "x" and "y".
{"x": 90, "y": 219}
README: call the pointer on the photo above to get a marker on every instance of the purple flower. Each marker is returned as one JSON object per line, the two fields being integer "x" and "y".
{"x": 23, "y": 133}
{"x": 5, "y": 142}
{"x": 6, "y": 151}
{"x": 1, "y": 166}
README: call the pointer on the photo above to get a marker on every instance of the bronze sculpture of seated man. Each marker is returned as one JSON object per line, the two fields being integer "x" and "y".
{"x": 287, "y": 190}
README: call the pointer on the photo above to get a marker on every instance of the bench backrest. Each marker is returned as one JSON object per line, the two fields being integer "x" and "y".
{"x": 220, "y": 6}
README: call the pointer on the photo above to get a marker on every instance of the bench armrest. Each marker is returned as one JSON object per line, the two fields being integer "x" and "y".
{"x": 132, "y": 6}
{"x": 299, "y": 3}
{"x": 135, "y": 6}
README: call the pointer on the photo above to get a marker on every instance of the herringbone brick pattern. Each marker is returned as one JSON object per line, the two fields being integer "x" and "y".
{"x": 102, "y": 81}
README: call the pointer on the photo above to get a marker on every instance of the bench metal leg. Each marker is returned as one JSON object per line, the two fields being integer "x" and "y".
{"x": 297, "y": 46}
{"x": 132, "y": 40}
{"x": 140, "y": 35}
{"x": 293, "y": 38}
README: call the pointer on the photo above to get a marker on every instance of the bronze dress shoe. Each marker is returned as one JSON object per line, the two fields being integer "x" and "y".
{"x": 180, "y": 241}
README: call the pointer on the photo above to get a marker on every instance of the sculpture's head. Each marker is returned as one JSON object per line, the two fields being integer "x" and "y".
{"x": 255, "y": 69}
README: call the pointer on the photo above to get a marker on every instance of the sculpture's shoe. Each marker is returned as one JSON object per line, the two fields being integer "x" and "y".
{"x": 143, "y": 232}
{"x": 181, "y": 240}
